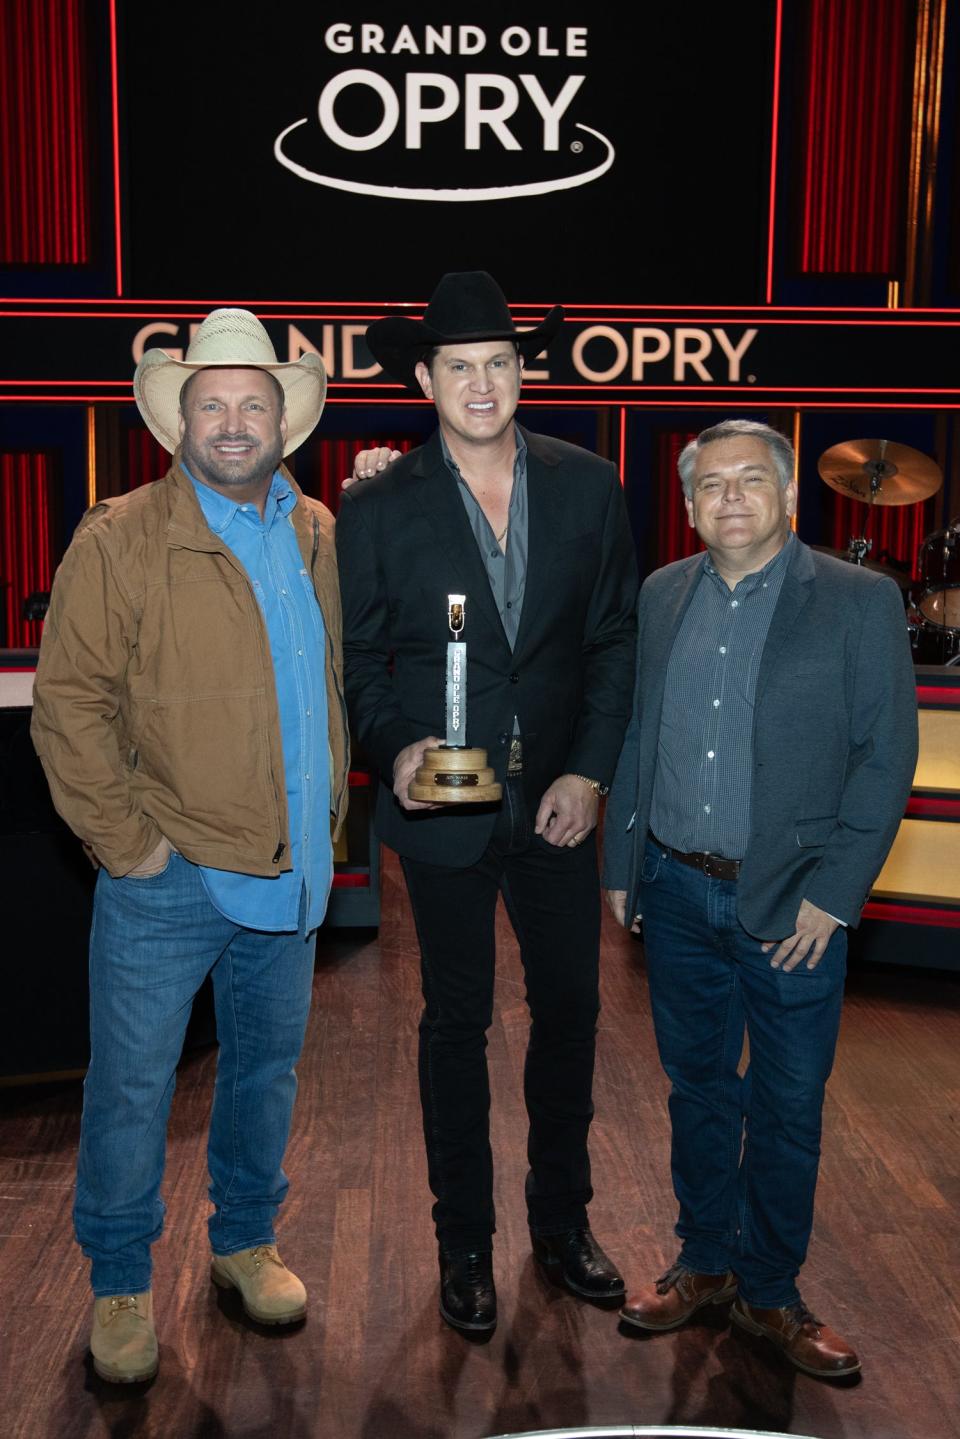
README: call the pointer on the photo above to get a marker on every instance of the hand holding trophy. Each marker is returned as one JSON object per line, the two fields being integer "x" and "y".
{"x": 452, "y": 773}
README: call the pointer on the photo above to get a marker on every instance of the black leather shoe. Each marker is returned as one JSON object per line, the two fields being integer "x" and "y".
{"x": 468, "y": 1299}
{"x": 582, "y": 1264}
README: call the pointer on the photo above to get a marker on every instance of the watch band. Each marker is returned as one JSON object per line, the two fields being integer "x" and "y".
{"x": 595, "y": 785}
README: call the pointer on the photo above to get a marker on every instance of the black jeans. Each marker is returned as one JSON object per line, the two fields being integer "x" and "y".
{"x": 553, "y": 900}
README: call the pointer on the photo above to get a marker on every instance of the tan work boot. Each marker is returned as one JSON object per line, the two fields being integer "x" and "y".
{"x": 123, "y": 1341}
{"x": 270, "y": 1293}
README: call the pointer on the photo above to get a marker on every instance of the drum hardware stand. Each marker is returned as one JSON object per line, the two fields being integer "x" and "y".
{"x": 858, "y": 549}
{"x": 876, "y": 471}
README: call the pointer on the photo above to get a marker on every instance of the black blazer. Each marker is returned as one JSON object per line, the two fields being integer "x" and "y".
{"x": 834, "y": 741}
{"x": 404, "y": 543}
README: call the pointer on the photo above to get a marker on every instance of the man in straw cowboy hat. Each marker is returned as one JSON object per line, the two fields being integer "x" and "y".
{"x": 190, "y": 719}
{"x": 534, "y": 533}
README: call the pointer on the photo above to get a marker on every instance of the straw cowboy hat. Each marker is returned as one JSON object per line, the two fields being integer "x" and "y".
{"x": 465, "y": 307}
{"x": 228, "y": 339}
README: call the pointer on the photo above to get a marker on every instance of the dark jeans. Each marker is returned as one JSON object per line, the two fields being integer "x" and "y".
{"x": 553, "y": 900}
{"x": 745, "y": 1151}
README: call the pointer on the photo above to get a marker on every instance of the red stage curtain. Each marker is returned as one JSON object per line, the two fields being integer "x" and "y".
{"x": 855, "y": 128}
{"x": 675, "y": 538}
{"x": 146, "y": 459}
{"x": 323, "y": 470}
{"x": 44, "y": 162}
{"x": 26, "y": 540}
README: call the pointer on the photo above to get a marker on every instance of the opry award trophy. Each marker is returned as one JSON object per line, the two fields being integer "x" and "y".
{"x": 451, "y": 773}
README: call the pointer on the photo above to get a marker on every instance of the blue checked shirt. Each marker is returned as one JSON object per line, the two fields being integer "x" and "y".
{"x": 267, "y": 549}
{"x": 703, "y": 785}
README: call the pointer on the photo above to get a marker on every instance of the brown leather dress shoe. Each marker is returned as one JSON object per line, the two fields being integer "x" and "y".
{"x": 808, "y": 1344}
{"x": 675, "y": 1296}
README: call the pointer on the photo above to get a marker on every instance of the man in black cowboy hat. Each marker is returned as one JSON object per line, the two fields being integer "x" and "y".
{"x": 533, "y": 533}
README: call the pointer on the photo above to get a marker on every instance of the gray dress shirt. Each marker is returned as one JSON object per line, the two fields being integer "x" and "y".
{"x": 506, "y": 568}
{"x": 702, "y": 789}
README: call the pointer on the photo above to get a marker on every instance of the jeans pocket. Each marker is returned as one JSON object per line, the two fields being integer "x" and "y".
{"x": 652, "y": 860}
{"x": 151, "y": 878}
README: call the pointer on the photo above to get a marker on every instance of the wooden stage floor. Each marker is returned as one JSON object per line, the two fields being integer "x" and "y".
{"x": 374, "y": 1360}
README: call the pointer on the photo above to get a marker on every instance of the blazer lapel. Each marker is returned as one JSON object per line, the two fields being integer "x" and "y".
{"x": 794, "y": 595}
{"x": 543, "y": 533}
{"x": 435, "y": 491}
{"x": 662, "y": 628}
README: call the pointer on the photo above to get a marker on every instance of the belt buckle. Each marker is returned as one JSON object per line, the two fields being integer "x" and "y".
{"x": 708, "y": 866}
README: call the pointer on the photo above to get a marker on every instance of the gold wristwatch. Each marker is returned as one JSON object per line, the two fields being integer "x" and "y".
{"x": 595, "y": 785}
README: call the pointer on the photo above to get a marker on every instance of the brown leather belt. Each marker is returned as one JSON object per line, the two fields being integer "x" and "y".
{"x": 714, "y": 866}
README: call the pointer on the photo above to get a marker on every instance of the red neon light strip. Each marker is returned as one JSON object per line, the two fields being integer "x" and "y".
{"x": 774, "y": 132}
{"x": 933, "y": 808}
{"x": 569, "y": 306}
{"x": 115, "y": 89}
{"x": 584, "y": 388}
{"x": 358, "y": 779}
{"x": 889, "y": 318}
{"x": 61, "y": 383}
{"x": 623, "y": 446}
{"x": 912, "y": 914}
{"x": 747, "y": 403}
{"x": 938, "y": 695}
{"x": 351, "y": 881}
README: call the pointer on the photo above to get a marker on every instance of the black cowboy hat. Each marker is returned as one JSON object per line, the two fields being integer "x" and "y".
{"x": 465, "y": 306}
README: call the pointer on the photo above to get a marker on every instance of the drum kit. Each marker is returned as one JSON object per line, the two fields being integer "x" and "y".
{"x": 882, "y": 472}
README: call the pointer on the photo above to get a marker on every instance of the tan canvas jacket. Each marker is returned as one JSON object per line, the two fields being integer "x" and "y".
{"x": 155, "y": 710}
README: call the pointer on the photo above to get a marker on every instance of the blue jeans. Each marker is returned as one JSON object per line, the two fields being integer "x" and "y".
{"x": 152, "y": 944}
{"x": 745, "y": 1152}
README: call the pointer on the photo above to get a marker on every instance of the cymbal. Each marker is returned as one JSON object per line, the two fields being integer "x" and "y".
{"x": 879, "y": 472}
{"x": 898, "y": 576}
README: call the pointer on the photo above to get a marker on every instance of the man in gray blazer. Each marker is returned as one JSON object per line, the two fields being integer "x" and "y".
{"x": 765, "y": 771}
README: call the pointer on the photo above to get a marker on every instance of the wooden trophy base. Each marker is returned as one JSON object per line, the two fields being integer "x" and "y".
{"x": 455, "y": 776}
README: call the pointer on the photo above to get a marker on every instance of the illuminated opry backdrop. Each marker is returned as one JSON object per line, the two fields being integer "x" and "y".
{"x": 747, "y": 209}
{"x": 358, "y": 151}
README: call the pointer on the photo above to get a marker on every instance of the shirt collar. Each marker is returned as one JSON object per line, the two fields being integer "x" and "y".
{"x": 451, "y": 464}
{"x": 758, "y": 576}
{"x": 219, "y": 511}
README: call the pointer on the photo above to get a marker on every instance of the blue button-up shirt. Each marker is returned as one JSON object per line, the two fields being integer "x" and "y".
{"x": 702, "y": 790}
{"x": 268, "y": 551}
